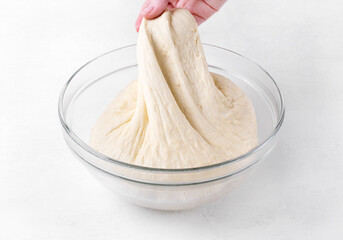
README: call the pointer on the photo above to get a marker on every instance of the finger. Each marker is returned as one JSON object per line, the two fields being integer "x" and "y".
{"x": 200, "y": 8}
{"x": 151, "y": 9}
{"x": 156, "y": 8}
{"x": 215, "y": 4}
{"x": 199, "y": 19}
{"x": 140, "y": 16}
{"x": 146, "y": 7}
{"x": 138, "y": 22}
{"x": 170, "y": 6}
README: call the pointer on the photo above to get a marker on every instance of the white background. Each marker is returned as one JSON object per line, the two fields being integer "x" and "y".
{"x": 45, "y": 193}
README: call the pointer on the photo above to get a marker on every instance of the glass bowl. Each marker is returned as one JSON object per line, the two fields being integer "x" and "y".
{"x": 94, "y": 85}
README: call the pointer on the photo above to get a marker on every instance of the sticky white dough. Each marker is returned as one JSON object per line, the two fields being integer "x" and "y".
{"x": 177, "y": 114}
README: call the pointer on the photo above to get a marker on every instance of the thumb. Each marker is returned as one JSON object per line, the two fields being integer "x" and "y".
{"x": 154, "y": 9}
{"x": 151, "y": 9}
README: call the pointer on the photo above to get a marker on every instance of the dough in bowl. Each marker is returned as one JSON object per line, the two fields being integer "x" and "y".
{"x": 177, "y": 114}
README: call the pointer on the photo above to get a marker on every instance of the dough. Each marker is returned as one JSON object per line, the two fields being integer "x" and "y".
{"x": 177, "y": 114}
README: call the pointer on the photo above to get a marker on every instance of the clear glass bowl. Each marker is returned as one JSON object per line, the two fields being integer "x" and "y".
{"x": 94, "y": 85}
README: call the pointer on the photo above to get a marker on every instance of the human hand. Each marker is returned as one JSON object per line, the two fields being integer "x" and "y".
{"x": 200, "y": 9}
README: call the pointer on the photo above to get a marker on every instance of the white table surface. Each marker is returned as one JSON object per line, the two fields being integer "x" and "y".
{"x": 45, "y": 193}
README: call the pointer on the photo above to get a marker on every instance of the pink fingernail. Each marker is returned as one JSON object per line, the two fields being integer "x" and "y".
{"x": 147, "y": 10}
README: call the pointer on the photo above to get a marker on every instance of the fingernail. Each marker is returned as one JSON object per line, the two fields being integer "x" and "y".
{"x": 147, "y": 10}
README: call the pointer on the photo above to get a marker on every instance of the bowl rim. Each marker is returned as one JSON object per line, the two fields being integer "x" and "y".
{"x": 86, "y": 147}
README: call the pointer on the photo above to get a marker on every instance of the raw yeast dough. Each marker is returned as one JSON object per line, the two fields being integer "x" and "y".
{"x": 177, "y": 114}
